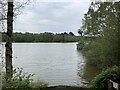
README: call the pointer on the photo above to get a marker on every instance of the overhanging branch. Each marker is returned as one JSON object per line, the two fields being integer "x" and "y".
{"x": 3, "y": 19}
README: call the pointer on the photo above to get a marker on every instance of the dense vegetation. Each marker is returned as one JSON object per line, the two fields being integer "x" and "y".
{"x": 102, "y": 24}
{"x": 43, "y": 37}
{"x": 21, "y": 80}
{"x": 100, "y": 81}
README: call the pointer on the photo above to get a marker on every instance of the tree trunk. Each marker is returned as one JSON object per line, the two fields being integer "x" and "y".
{"x": 9, "y": 68}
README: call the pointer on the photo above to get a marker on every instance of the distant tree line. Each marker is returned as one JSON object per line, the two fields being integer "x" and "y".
{"x": 42, "y": 37}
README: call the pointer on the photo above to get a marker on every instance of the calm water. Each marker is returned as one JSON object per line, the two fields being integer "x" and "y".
{"x": 55, "y": 63}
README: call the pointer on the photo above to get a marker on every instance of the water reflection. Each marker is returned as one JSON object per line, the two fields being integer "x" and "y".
{"x": 55, "y": 63}
{"x": 86, "y": 72}
{"x": 90, "y": 72}
{"x": 80, "y": 69}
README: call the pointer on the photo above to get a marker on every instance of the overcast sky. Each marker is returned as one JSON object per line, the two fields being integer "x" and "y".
{"x": 52, "y": 16}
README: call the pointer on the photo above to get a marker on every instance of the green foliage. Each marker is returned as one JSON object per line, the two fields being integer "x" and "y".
{"x": 103, "y": 51}
{"x": 80, "y": 32}
{"x": 39, "y": 84}
{"x": 70, "y": 33}
{"x": 102, "y": 23}
{"x": 100, "y": 81}
{"x": 84, "y": 44}
{"x": 22, "y": 80}
{"x": 93, "y": 55}
{"x": 100, "y": 15}
{"x": 42, "y": 37}
{"x": 80, "y": 45}
{"x": 19, "y": 79}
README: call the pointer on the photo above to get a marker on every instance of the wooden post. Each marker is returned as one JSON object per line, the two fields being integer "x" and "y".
{"x": 118, "y": 86}
{"x": 113, "y": 85}
{"x": 110, "y": 85}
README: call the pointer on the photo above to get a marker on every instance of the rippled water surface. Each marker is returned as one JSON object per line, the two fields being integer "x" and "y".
{"x": 55, "y": 63}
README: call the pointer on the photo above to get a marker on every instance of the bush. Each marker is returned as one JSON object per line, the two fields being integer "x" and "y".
{"x": 100, "y": 81}
{"x": 19, "y": 79}
{"x": 39, "y": 84}
{"x": 80, "y": 45}
{"x": 22, "y": 80}
{"x": 84, "y": 46}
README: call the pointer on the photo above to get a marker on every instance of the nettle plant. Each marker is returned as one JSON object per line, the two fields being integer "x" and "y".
{"x": 19, "y": 79}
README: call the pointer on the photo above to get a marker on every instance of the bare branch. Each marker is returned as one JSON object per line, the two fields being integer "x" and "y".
{"x": 19, "y": 5}
{"x": 3, "y": 19}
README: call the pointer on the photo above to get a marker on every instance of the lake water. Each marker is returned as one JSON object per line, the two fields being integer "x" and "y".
{"x": 55, "y": 63}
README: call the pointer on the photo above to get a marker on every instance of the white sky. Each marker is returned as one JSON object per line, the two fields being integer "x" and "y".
{"x": 52, "y": 16}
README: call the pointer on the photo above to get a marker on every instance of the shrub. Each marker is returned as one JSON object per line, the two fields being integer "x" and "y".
{"x": 39, "y": 84}
{"x": 19, "y": 79}
{"x": 22, "y": 80}
{"x": 100, "y": 81}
